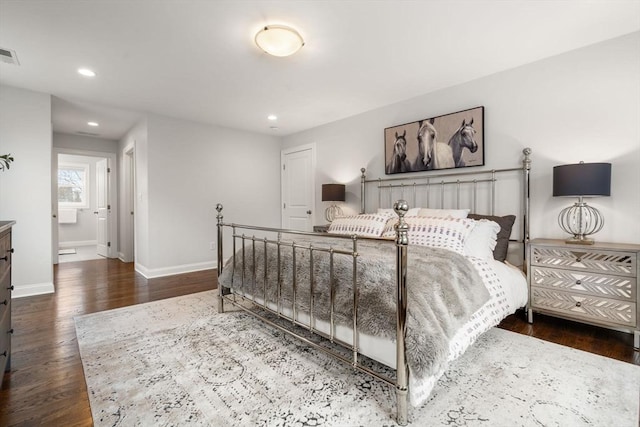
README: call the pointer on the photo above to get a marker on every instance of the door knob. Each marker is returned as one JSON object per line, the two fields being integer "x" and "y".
{"x": 309, "y": 212}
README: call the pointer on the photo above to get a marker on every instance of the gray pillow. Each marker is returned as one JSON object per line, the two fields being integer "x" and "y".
{"x": 505, "y": 223}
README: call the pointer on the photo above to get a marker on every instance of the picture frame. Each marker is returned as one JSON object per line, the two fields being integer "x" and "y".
{"x": 454, "y": 140}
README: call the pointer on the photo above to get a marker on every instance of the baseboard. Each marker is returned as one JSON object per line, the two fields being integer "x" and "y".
{"x": 123, "y": 258}
{"x": 20, "y": 291}
{"x": 151, "y": 273}
{"x": 67, "y": 245}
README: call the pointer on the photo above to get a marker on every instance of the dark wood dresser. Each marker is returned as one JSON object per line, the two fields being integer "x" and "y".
{"x": 5, "y": 296}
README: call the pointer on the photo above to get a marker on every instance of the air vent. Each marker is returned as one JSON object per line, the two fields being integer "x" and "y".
{"x": 81, "y": 132}
{"x": 8, "y": 56}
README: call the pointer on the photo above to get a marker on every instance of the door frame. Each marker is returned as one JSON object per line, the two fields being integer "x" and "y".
{"x": 283, "y": 154}
{"x": 127, "y": 224}
{"x": 113, "y": 196}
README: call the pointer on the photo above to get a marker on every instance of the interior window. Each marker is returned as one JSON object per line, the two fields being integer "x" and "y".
{"x": 73, "y": 185}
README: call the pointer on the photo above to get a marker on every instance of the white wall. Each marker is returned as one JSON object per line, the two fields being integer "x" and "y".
{"x": 582, "y": 105}
{"x": 25, "y": 189}
{"x": 183, "y": 169}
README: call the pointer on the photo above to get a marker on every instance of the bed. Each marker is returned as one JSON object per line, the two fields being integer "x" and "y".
{"x": 405, "y": 289}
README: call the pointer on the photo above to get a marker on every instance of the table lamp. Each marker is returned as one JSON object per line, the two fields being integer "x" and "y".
{"x": 581, "y": 180}
{"x": 332, "y": 193}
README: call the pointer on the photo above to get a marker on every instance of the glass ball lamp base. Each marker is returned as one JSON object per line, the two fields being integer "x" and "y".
{"x": 332, "y": 212}
{"x": 580, "y": 220}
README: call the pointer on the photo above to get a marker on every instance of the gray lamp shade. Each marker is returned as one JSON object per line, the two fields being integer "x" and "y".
{"x": 582, "y": 179}
{"x": 333, "y": 192}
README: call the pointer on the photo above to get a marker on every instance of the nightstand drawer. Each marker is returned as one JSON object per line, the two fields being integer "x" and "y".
{"x": 583, "y": 259}
{"x": 585, "y": 282}
{"x": 571, "y": 304}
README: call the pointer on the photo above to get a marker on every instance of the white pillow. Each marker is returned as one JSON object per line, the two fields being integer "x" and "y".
{"x": 367, "y": 225}
{"x": 389, "y": 229}
{"x": 444, "y": 213}
{"x": 482, "y": 239}
{"x": 411, "y": 212}
{"x": 445, "y": 233}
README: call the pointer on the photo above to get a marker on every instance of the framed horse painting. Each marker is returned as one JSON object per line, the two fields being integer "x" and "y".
{"x": 450, "y": 141}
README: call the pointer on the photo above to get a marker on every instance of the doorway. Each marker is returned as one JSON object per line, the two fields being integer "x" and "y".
{"x": 83, "y": 204}
{"x": 298, "y": 184}
{"x": 127, "y": 241}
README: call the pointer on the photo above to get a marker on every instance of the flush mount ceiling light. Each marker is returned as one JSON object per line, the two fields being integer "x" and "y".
{"x": 272, "y": 117}
{"x": 94, "y": 124}
{"x": 86, "y": 72}
{"x": 279, "y": 40}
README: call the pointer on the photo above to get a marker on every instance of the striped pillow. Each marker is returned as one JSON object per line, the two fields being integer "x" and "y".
{"x": 367, "y": 225}
{"x": 445, "y": 233}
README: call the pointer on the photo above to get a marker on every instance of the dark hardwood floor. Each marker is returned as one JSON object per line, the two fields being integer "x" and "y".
{"x": 46, "y": 383}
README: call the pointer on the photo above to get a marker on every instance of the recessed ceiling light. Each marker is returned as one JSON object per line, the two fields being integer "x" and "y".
{"x": 86, "y": 72}
{"x": 94, "y": 124}
{"x": 272, "y": 117}
{"x": 279, "y": 40}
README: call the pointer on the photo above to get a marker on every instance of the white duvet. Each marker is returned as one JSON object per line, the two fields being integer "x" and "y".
{"x": 507, "y": 286}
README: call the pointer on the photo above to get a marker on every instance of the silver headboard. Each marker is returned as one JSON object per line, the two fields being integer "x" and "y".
{"x": 477, "y": 190}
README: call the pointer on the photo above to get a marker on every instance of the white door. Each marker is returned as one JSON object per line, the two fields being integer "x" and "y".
{"x": 298, "y": 195}
{"x": 102, "y": 206}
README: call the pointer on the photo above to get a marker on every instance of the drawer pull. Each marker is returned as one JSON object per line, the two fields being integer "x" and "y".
{"x": 10, "y": 288}
{"x": 5, "y": 258}
{"x": 10, "y": 331}
{"x": 578, "y": 304}
{"x": 5, "y": 302}
{"x": 4, "y": 353}
{"x": 578, "y": 282}
{"x": 578, "y": 259}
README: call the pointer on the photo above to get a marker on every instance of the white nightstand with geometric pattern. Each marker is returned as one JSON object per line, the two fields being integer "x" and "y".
{"x": 596, "y": 284}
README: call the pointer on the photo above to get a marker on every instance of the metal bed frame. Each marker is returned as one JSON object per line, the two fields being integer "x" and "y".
{"x": 274, "y": 317}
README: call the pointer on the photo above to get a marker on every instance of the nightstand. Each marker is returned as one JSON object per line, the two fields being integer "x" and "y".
{"x": 595, "y": 284}
{"x": 321, "y": 228}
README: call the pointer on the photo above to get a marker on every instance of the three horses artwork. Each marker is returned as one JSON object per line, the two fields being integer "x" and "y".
{"x": 431, "y": 153}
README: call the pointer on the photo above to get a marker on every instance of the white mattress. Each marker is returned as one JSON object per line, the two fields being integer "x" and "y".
{"x": 508, "y": 291}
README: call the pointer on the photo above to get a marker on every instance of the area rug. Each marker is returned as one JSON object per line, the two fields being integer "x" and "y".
{"x": 178, "y": 362}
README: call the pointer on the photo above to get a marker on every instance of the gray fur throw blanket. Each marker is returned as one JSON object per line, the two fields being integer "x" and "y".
{"x": 443, "y": 291}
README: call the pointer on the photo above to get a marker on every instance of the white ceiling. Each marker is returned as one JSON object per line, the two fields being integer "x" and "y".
{"x": 196, "y": 60}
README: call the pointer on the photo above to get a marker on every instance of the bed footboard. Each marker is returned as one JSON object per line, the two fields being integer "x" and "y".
{"x": 271, "y": 310}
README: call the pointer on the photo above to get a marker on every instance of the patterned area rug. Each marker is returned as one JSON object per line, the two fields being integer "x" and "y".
{"x": 178, "y": 362}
